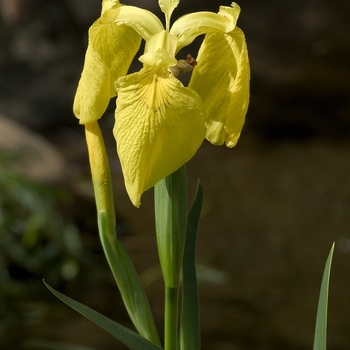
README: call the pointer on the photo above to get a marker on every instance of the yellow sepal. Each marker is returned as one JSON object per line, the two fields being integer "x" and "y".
{"x": 109, "y": 54}
{"x": 159, "y": 127}
{"x": 222, "y": 78}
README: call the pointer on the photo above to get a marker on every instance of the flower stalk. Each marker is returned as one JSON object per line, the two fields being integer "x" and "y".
{"x": 125, "y": 275}
{"x": 171, "y": 318}
{"x": 171, "y": 222}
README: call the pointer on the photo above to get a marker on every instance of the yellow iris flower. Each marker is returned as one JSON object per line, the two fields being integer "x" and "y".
{"x": 159, "y": 123}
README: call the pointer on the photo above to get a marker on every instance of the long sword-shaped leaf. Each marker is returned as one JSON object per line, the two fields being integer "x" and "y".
{"x": 129, "y": 338}
{"x": 189, "y": 326}
{"x": 320, "y": 340}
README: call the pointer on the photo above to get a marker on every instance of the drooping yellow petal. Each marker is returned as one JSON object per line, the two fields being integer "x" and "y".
{"x": 93, "y": 93}
{"x": 159, "y": 127}
{"x": 221, "y": 78}
{"x": 110, "y": 52}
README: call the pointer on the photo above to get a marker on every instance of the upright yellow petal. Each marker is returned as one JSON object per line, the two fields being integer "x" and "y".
{"x": 107, "y": 4}
{"x": 159, "y": 127}
{"x": 222, "y": 78}
{"x": 167, "y": 7}
{"x": 144, "y": 22}
{"x": 189, "y": 26}
{"x": 110, "y": 52}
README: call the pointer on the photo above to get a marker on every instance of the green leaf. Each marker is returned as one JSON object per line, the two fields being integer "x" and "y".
{"x": 170, "y": 200}
{"x": 171, "y": 218}
{"x": 129, "y": 284}
{"x": 320, "y": 340}
{"x": 189, "y": 326}
{"x": 129, "y": 338}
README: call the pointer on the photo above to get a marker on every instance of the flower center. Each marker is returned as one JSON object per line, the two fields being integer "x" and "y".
{"x": 183, "y": 66}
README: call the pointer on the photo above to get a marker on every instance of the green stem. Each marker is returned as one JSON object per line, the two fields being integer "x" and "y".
{"x": 129, "y": 284}
{"x": 170, "y": 196}
{"x": 171, "y": 318}
{"x": 171, "y": 222}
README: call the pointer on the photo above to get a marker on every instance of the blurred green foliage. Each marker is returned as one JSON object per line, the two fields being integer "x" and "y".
{"x": 37, "y": 240}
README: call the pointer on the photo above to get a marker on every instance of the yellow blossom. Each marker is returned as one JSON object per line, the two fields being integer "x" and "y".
{"x": 159, "y": 123}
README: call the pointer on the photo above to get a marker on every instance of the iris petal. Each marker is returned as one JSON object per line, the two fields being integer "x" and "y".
{"x": 159, "y": 127}
{"x": 144, "y": 22}
{"x": 221, "y": 78}
{"x": 110, "y": 52}
{"x": 107, "y": 4}
{"x": 189, "y": 26}
{"x": 167, "y": 7}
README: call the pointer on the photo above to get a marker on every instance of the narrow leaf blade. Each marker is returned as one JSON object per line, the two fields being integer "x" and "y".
{"x": 320, "y": 339}
{"x": 128, "y": 281}
{"x": 190, "y": 326}
{"x": 129, "y": 338}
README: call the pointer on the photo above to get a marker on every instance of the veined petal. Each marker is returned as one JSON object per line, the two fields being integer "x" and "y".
{"x": 159, "y": 127}
{"x": 117, "y": 45}
{"x": 110, "y": 52}
{"x": 221, "y": 78}
{"x": 188, "y": 27}
{"x": 144, "y": 22}
{"x": 167, "y": 7}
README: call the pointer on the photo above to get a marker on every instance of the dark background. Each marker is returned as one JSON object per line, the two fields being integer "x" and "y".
{"x": 273, "y": 205}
